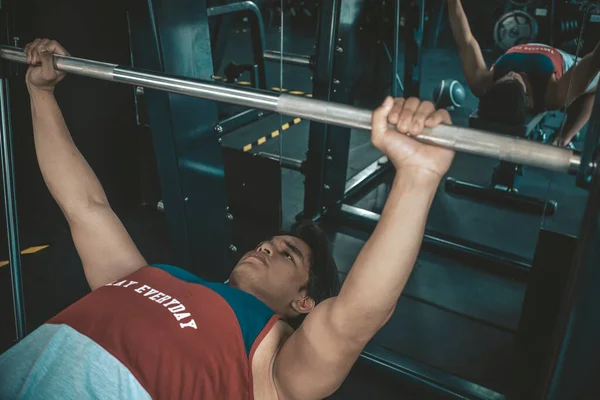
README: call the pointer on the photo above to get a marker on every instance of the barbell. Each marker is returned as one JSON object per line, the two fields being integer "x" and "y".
{"x": 501, "y": 147}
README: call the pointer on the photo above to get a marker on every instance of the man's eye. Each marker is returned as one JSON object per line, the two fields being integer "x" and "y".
{"x": 287, "y": 255}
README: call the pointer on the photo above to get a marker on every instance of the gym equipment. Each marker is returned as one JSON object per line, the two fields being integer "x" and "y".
{"x": 7, "y": 164}
{"x": 514, "y": 28}
{"x": 550, "y": 270}
{"x": 290, "y": 59}
{"x": 502, "y": 189}
{"x": 523, "y": 3}
{"x": 257, "y": 31}
{"x": 415, "y": 25}
{"x": 449, "y": 93}
{"x": 452, "y": 137}
{"x": 220, "y": 18}
{"x": 10, "y": 207}
{"x": 233, "y": 72}
{"x": 569, "y": 27}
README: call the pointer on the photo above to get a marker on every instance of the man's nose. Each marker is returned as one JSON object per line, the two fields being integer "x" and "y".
{"x": 266, "y": 248}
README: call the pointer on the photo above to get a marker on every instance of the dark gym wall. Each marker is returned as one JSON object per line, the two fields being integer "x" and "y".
{"x": 100, "y": 115}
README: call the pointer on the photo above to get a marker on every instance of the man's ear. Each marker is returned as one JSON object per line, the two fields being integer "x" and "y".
{"x": 304, "y": 305}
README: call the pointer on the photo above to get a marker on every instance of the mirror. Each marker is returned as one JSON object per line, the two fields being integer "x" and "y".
{"x": 471, "y": 276}
{"x": 578, "y": 39}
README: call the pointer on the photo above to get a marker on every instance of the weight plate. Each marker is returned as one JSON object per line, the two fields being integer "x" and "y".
{"x": 514, "y": 28}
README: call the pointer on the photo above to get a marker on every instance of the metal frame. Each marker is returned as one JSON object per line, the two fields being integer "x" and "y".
{"x": 572, "y": 365}
{"x": 299, "y": 60}
{"x": 501, "y": 190}
{"x": 415, "y": 22}
{"x": 364, "y": 180}
{"x": 396, "y": 53}
{"x": 10, "y": 190}
{"x": 188, "y": 152}
{"x": 493, "y": 260}
{"x": 435, "y": 382}
{"x": 551, "y": 267}
{"x": 219, "y": 40}
{"x": 325, "y": 154}
{"x": 10, "y": 207}
{"x": 257, "y": 31}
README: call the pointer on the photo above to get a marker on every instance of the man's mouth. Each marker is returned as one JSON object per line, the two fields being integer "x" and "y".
{"x": 259, "y": 257}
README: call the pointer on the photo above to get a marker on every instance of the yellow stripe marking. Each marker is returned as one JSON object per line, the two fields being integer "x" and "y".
{"x": 245, "y": 83}
{"x": 274, "y": 134}
{"x": 35, "y": 249}
{"x": 296, "y": 92}
{"x": 309, "y": 95}
{"x": 29, "y": 250}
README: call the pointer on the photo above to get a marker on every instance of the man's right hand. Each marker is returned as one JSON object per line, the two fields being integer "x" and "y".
{"x": 41, "y": 74}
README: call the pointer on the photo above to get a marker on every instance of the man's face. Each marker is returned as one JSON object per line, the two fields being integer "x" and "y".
{"x": 276, "y": 272}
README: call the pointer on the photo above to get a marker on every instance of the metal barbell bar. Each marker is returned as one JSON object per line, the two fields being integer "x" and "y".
{"x": 502, "y": 147}
{"x": 289, "y": 58}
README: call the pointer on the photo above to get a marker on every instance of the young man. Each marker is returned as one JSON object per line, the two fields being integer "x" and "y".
{"x": 529, "y": 77}
{"x": 160, "y": 332}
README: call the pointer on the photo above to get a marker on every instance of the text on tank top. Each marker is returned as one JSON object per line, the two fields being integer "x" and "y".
{"x": 180, "y": 336}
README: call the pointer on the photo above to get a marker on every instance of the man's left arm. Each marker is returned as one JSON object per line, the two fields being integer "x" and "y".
{"x": 575, "y": 82}
{"x": 316, "y": 358}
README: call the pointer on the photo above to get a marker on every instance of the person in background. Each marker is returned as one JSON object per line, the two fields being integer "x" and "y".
{"x": 527, "y": 78}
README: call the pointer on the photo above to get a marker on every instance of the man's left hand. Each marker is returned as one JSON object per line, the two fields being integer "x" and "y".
{"x": 410, "y": 116}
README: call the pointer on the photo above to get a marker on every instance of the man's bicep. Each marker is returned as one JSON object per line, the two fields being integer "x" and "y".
{"x": 316, "y": 358}
{"x": 106, "y": 250}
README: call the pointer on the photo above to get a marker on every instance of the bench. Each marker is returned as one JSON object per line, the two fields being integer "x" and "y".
{"x": 502, "y": 190}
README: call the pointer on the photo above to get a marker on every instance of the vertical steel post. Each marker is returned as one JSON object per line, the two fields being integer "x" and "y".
{"x": 396, "y": 50}
{"x": 413, "y": 52}
{"x": 10, "y": 207}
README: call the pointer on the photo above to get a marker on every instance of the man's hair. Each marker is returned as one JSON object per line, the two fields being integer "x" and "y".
{"x": 504, "y": 102}
{"x": 323, "y": 278}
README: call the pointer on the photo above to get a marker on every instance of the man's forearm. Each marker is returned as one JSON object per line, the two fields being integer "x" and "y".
{"x": 67, "y": 174}
{"x": 459, "y": 24}
{"x": 372, "y": 288}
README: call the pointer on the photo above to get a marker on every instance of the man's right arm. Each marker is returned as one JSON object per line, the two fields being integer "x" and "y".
{"x": 103, "y": 244}
{"x": 473, "y": 64}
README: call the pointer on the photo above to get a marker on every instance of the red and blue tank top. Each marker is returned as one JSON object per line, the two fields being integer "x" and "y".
{"x": 537, "y": 61}
{"x": 160, "y": 333}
